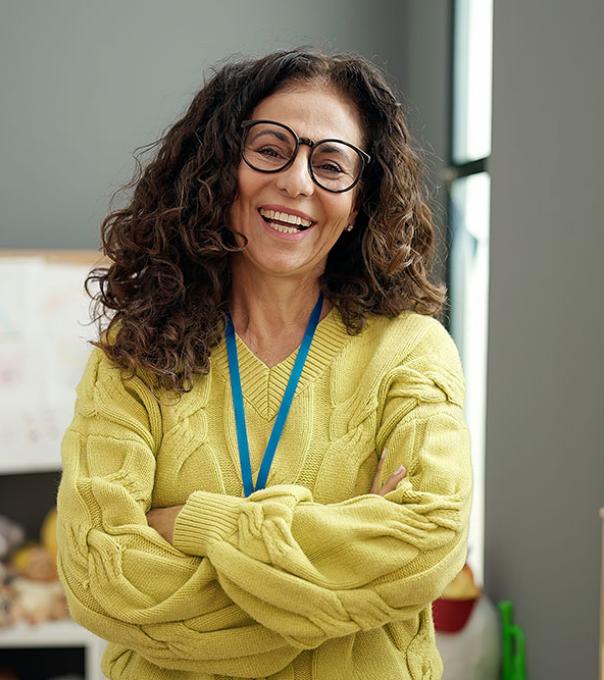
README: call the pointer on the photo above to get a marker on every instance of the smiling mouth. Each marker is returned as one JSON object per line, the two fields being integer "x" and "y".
{"x": 284, "y": 223}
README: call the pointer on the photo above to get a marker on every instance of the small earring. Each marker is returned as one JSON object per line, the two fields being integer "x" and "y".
{"x": 349, "y": 227}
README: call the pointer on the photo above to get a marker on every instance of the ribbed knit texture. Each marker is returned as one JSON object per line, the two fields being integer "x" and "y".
{"x": 311, "y": 578}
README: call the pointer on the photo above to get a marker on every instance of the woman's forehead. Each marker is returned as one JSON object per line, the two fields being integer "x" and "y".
{"x": 313, "y": 112}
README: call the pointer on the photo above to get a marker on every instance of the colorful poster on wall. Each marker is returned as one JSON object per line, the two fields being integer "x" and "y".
{"x": 44, "y": 328}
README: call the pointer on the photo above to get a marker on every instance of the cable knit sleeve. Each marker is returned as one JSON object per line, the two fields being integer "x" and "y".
{"x": 316, "y": 571}
{"x": 122, "y": 580}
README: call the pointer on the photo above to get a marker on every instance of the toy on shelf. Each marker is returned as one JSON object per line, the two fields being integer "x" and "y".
{"x": 6, "y": 597}
{"x": 513, "y": 661}
{"x": 37, "y": 601}
{"x": 11, "y": 535}
{"x": 467, "y": 630}
{"x": 29, "y": 587}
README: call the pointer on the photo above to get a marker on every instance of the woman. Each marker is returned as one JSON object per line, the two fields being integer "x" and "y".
{"x": 224, "y": 511}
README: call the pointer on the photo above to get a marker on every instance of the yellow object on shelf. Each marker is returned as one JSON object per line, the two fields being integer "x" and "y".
{"x": 48, "y": 533}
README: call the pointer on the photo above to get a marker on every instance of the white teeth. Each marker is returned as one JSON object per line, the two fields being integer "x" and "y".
{"x": 284, "y": 217}
{"x": 282, "y": 229}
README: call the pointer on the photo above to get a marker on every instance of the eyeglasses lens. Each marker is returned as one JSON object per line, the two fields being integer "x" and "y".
{"x": 268, "y": 147}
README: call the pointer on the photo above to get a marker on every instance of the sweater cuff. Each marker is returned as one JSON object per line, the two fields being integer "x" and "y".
{"x": 205, "y": 517}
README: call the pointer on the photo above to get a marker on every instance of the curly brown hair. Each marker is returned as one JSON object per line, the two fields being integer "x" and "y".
{"x": 169, "y": 278}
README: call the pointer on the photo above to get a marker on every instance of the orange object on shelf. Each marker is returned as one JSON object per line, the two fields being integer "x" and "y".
{"x": 450, "y": 616}
{"x": 452, "y": 610}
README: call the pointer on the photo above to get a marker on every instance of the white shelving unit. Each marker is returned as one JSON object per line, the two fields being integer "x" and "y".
{"x": 30, "y": 441}
{"x": 65, "y": 633}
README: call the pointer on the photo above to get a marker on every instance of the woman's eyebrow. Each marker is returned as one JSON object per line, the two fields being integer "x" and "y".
{"x": 273, "y": 133}
{"x": 330, "y": 148}
{"x": 284, "y": 137}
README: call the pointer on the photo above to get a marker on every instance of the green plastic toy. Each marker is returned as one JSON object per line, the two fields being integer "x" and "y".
{"x": 513, "y": 659}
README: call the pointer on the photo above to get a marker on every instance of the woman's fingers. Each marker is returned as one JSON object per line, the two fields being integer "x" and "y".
{"x": 391, "y": 482}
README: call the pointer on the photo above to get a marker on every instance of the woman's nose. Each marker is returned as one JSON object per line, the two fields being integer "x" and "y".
{"x": 296, "y": 179}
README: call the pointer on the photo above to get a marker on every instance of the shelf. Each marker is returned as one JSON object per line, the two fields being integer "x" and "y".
{"x": 19, "y": 467}
{"x": 44, "y": 333}
{"x": 63, "y": 633}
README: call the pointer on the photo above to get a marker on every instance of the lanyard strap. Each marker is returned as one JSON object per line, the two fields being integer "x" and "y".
{"x": 244, "y": 451}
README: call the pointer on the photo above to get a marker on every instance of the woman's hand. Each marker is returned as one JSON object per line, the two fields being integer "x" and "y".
{"x": 391, "y": 482}
{"x": 163, "y": 520}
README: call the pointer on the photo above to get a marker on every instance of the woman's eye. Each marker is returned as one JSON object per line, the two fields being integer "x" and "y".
{"x": 330, "y": 167}
{"x": 268, "y": 151}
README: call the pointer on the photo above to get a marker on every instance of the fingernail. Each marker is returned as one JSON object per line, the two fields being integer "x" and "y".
{"x": 399, "y": 470}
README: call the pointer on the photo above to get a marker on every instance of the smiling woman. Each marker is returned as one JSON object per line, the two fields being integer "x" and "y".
{"x": 288, "y": 182}
{"x": 167, "y": 292}
{"x": 268, "y": 469}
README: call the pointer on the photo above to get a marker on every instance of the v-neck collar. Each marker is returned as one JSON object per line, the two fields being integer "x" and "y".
{"x": 263, "y": 386}
{"x": 243, "y": 347}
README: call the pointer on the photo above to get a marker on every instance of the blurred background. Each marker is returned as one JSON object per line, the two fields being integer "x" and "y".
{"x": 504, "y": 102}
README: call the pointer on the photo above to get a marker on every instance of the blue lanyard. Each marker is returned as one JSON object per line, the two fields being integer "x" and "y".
{"x": 271, "y": 447}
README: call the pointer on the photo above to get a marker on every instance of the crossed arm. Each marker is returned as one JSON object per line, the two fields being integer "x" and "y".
{"x": 164, "y": 519}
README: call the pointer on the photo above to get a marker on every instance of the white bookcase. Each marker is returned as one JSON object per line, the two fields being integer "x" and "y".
{"x": 66, "y": 633}
{"x": 51, "y": 282}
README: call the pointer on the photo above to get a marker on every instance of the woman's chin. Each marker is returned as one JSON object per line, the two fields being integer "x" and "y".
{"x": 280, "y": 267}
{"x": 273, "y": 262}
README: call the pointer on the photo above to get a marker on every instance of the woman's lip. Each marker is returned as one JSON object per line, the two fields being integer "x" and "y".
{"x": 299, "y": 235}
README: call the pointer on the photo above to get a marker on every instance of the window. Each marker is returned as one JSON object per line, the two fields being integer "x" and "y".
{"x": 469, "y": 206}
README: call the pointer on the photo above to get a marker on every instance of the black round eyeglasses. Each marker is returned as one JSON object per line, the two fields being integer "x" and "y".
{"x": 334, "y": 165}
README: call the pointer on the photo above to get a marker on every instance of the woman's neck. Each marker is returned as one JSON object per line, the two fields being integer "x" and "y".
{"x": 266, "y": 309}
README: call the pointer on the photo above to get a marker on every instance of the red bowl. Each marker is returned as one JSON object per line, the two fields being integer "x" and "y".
{"x": 450, "y": 616}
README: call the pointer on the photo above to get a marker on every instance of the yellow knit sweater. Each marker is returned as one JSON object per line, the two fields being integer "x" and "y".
{"x": 311, "y": 578}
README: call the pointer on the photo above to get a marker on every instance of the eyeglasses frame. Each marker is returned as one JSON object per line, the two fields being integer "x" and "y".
{"x": 365, "y": 157}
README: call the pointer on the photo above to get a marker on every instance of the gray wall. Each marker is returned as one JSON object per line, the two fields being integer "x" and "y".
{"x": 85, "y": 82}
{"x": 545, "y": 403}
{"x": 88, "y": 82}
{"x": 419, "y": 48}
